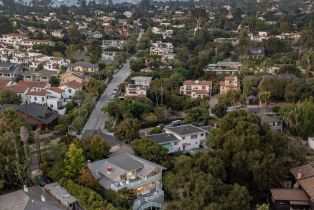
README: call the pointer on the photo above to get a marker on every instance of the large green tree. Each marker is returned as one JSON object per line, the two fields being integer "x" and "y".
{"x": 74, "y": 161}
{"x": 149, "y": 150}
{"x": 251, "y": 151}
{"x": 127, "y": 130}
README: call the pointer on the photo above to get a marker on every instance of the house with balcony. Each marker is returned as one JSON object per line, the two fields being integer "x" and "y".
{"x": 196, "y": 88}
{"x": 11, "y": 71}
{"x": 163, "y": 49}
{"x": 224, "y": 67}
{"x": 134, "y": 173}
{"x": 229, "y": 83}
{"x": 135, "y": 90}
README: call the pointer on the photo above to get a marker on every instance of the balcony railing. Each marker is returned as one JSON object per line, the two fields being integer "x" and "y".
{"x": 154, "y": 200}
{"x": 131, "y": 185}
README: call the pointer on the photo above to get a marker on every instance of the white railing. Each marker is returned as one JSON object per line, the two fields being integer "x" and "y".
{"x": 130, "y": 185}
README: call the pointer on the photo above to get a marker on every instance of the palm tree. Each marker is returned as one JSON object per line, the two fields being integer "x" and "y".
{"x": 264, "y": 96}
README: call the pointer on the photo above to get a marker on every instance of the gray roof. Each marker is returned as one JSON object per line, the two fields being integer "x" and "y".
{"x": 111, "y": 140}
{"x": 185, "y": 129}
{"x": 6, "y": 65}
{"x": 35, "y": 110}
{"x": 31, "y": 200}
{"x": 84, "y": 64}
{"x": 125, "y": 162}
{"x": 268, "y": 117}
{"x": 60, "y": 193}
{"x": 162, "y": 138}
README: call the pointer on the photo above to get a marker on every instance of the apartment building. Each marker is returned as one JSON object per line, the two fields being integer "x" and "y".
{"x": 224, "y": 67}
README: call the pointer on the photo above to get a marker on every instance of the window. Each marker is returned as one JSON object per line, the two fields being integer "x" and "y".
{"x": 194, "y": 136}
{"x": 175, "y": 143}
{"x": 42, "y": 99}
{"x": 35, "y": 98}
{"x": 51, "y": 106}
{"x": 202, "y": 134}
{"x": 183, "y": 138}
{"x": 70, "y": 90}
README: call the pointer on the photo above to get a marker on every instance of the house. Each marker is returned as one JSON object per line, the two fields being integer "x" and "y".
{"x": 56, "y": 64}
{"x": 229, "y": 83}
{"x": 181, "y": 138}
{"x": 289, "y": 36}
{"x": 83, "y": 66}
{"x": 71, "y": 88}
{"x": 11, "y": 71}
{"x": 39, "y": 97}
{"x": 70, "y": 76}
{"x": 163, "y": 49}
{"x": 232, "y": 41}
{"x": 167, "y": 140}
{"x": 57, "y": 33}
{"x": 196, "y": 88}
{"x": 143, "y": 81}
{"x": 13, "y": 39}
{"x": 38, "y": 116}
{"x": 19, "y": 90}
{"x": 261, "y": 36}
{"x": 271, "y": 119}
{"x": 40, "y": 76}
{"x": 118, "y": 44}
{"x": 128, "y": 14}
{"x": 257, "y": 52}
{"x": 227, "y": 67}
{"x": 34, "y": 86}
{"x": 135, "y": 90}
{"x": 108, "y": 56}
{"x": 134, "y": 173}
{"x": 300, "y": 196}
{"x": 52, "y": 196}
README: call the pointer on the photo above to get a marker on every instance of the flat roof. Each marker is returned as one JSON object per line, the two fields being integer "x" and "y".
{"x": 162, "y": 138}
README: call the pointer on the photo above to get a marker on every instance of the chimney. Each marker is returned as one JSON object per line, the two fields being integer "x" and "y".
{"x": 109, "y": 170}
{"x": 299, "y": 176}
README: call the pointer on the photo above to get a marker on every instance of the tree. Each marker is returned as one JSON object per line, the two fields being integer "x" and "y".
{"x": 54, "y": 81}
{"x": 96, "y": 148}
{"x": 95, "y": 51}
{"x": 8, "y": 97}
{"x": 149, "y": 150}
{"x": 289, "y": 69}
{"x": 127, "y": 130}
{"x": 74, "y": 35}
{"x": 198, "y": 116}
{"x": 74, "y": 161}
{"x": 13, "y": 168}
{"x": 251, "y": 151}
{"x": 6, "y": 25}
{"x": 264, "y": 96}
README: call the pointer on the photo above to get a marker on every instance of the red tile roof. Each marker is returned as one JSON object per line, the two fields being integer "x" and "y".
{"x": 37, "y": 93}
{"x": 33, "y": 84}
{"x": 56, "y": 89}
{"x": 74, "y": 84}
{"x": 197, "y": 82}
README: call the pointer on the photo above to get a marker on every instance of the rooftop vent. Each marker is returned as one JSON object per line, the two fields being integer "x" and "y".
{"x": 109, "y": 170}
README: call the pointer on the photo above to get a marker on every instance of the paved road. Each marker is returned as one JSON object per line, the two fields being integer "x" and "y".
{"x": 97, "y": 118}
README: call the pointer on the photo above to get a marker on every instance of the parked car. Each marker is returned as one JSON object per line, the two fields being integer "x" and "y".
{"x": 176, "y": 123}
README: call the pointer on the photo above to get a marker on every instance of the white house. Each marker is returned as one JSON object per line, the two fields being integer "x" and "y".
{"x": 181, "y": 138}
{"x": 71, "y": 88}
{"x": 143, "y": 81}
